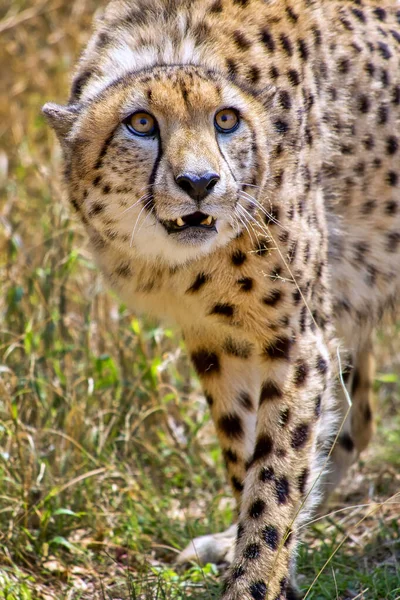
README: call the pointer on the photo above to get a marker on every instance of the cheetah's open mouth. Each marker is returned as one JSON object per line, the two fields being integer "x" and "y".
{"x": 196, "y": 219}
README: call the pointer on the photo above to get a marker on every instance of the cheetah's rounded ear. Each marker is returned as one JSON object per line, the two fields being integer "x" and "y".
{"x": 61, "y": 118}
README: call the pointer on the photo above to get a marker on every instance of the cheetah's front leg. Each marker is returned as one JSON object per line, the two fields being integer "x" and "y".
{"x": 229, "y": 372}
{"x": 282, "y": 469}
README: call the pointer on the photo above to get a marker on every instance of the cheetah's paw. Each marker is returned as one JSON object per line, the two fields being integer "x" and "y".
{"x": 215, "y": 548}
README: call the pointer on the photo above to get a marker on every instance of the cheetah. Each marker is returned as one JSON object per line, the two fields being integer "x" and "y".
{"x": 236, "y": 166}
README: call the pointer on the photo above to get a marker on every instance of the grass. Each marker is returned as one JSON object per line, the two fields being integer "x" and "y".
{"x": 108, "y": 460}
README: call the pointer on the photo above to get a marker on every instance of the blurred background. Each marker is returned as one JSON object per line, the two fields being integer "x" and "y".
{"x": 108, "y": 460}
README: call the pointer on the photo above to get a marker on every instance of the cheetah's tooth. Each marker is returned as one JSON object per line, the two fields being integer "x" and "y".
{"x": 207, "y": 221}
{"x": 180, "y": 222}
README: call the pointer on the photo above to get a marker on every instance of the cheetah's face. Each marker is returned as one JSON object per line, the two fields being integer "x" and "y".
{"x": 165, "y": 158}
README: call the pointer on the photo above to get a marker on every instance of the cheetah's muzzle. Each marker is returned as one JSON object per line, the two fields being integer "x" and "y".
{"x": 191, "y": 221}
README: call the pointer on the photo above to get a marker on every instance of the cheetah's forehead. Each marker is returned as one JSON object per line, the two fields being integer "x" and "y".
{"x": 134, "y": 36}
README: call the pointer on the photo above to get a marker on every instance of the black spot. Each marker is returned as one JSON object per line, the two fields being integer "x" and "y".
{"x": 209, "y": 399}
{"x": 303, "y": 319}
{"x": 303, "y": 49}
{"x": 245, "y": 401}
{"x": 396, "y": 95}
{"x": 274, "y": 72}
{"x": 252, "y": 551}
{"x": 284, "y": 417}
{"x": 232, "y": 67}
{"x": 230, "y": 456}
{"x": 285, "y": 100}
{"x": 238, "y": 258}
{"x": 392, "y": 178}
{"x": 396, "y": 35}
{"x": 297, "y": 296}
{"x": 271, "y": 536}
{"x": 257, "y": 508}
{"x": 231, "y": 426}
{"x": 106, "y": 189}
{"x": 302, "y": 481}
{"x": 346, "y": 442}
{"x": 258, "y": 590}
{"x": 96, "y": 208}
{"x": 292, "y": 252}
{"x": 97, "y": 180}
{"x": 322, "y": 365}
{"x": 282, "y": 490}
{"x": 370, "y": 68}
{"x": 301, "y": 373}
{"x": 198, "y": 283}
{"x": 75, "y": 204}
{"x": 246, "y": 284}
{"x": 291, "y": 15}
{"x": 240, "y": 40}
{"x": 364, "y": 104}
{"x": 254, "y": 74}
{"x": 317, "y": 36}
{"x": 237, "y": 484}
{"x": 300, "y": 436}
{"x": 367, "y": 413}
{"x": 262, "y": 247}
{"x": 380, "y": 13}
{"x": 273, "y": 298}
{"x": 205, "y": 362}
{"x": 281, "y": 126}
{"x": 344, "y": 66}
{"x": 267, "y": 40}
{"x": 279, "y": 349}
{"x": 269, "y": 391}
{"x": 391, "y": 207}
{"x": 293, "y": 77}
{"x": 392, "y": 241}
{"x": 124, "y": 270}
{"x": 266, "y": 474}
{"x": 392, "y": 145}
{"x": 384, "y": 50}
{"x": 225, "y": 310}
{"x": 357, "y": 12}
{"x": 286, "y": 44}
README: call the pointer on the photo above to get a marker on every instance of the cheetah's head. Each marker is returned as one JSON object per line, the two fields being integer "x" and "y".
{"x": 165, "y": 162}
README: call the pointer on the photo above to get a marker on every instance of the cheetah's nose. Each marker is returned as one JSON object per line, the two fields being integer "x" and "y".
{"x": 197, "y": 186}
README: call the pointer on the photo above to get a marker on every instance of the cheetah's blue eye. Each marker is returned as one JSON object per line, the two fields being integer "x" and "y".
{"x": 141, "y": 123}
{"x": 226, "y": 120}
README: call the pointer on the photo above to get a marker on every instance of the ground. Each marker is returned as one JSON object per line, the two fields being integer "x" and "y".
{"x": 108, "y": 460}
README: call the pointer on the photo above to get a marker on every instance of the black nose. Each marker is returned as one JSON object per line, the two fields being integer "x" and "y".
{"x": 197, "y": 186}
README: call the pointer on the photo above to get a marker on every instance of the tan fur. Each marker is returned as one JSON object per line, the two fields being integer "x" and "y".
{"x": 307, "y": 208}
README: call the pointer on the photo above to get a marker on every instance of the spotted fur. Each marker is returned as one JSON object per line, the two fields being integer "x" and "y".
{"x": 307, "y": 210}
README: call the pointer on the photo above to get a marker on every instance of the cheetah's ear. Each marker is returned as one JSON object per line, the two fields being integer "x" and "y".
{"x": 61, "y": 118}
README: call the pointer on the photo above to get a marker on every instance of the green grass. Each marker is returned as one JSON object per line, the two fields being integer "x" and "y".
{"x": 108, "y": 460}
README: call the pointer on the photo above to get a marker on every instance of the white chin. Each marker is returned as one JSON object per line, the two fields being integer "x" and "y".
{"x": 156, "y": 244}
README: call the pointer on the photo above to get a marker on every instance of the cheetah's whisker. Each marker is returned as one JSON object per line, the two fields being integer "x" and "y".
{"x": 137, "y": 220}
{"x": 260, "y": 207}
{"x": 144, "y": 197}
